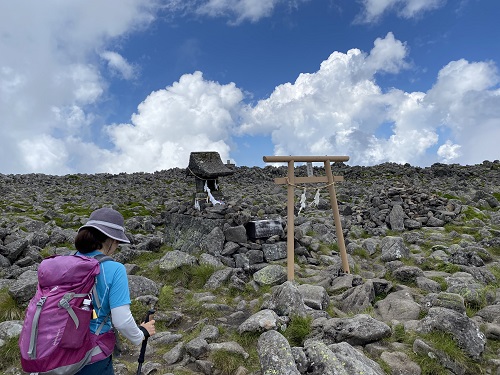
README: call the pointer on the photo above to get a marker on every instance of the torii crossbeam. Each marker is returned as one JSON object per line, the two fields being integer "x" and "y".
{"x": 291, "y": 180}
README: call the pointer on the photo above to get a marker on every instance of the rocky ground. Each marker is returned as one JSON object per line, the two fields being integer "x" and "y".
{"x": 422, "y": 295}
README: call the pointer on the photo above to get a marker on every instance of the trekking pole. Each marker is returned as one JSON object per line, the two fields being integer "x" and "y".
{"x": 144, "y": 344}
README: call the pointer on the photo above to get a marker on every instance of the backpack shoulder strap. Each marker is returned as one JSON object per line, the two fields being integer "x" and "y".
{"x": 101, "y": 258}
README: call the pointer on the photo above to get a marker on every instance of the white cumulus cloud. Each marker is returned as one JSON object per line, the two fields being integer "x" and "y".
{"x": 118, "y": 64}
{"x": 374, "y": 9}
{"x": 50, "y": 77}
{"x": 340, "y": 110}
{"x": 191, "y": 115}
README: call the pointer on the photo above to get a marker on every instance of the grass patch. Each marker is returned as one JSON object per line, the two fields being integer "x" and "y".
{"x": 495, "y": 250}
{"x": 448, "y": 267}
{"x": 9, "y": 310}
{"x": 460, "y": 229}
{"x": 134, "y": 209}
{"x": 441, "y": 281}
{"x": 495, "y": 270}
{"x": 482, "y": 298}
{"x": 445, "y": 343}
{"x": 473, "y": 213}
{"x": 189, "y": 277}
{"x": 166, "y": 298}
{"x": 77, "y": 209}
{"x": 139, "y": 311}
{"x": 398, "y": 333}
{"x": 9, "y": 352}
{"x": 362, "y": 253}
{"x": 297, "y": 330}
{"x": 448, "y": 196}
{"x": 226, "y": 362}
{"x": 430, "y": 366}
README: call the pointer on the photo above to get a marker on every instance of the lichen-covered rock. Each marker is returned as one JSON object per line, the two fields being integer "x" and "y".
{"x": 393, "y": 248}
{"x": 176, "y": 259}
{"x": 464, "y": 330}
{"x": 270, "y": 275}
{"x": 362, "y": 329}
{"x": 275, "y": 355}
{"x": 357, "y": 299}
{"x": 142, "y": 286}
{"x": 398, "y": 305}
{"x": 286, "y": 300}
{"x": 314, "y": 296}
{"x": 338, "y": 359}
{"x": 264, "y": 320}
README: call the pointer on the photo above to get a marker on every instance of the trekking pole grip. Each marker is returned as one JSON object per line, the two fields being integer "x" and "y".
{"x": 146, "y": 318}
{"x": 145, "y": 341}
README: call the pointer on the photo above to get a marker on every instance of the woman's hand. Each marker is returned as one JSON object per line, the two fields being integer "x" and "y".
{"x": 150, "y": 327}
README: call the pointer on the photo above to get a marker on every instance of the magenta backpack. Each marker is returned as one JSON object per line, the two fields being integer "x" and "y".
{"x": 56, "y": 338}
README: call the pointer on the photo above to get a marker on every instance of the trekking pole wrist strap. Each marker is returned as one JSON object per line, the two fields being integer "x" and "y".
{"x": 145, "y": 331}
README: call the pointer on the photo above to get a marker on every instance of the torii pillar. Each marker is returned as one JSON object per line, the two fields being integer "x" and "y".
{"x": 291, "y": 180}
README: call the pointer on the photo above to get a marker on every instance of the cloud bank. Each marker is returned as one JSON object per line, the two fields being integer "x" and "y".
{"x": 340, "y": 109}
{"x": 53, "y": 77}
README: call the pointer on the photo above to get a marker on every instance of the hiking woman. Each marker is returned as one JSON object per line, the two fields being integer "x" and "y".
{"x": 102, "y": 234}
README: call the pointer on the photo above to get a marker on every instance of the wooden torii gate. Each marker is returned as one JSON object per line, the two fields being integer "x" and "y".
{"x": 291, "y": 180}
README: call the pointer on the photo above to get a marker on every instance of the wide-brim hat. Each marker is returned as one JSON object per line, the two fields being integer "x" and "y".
{"x": 108, "y": 221}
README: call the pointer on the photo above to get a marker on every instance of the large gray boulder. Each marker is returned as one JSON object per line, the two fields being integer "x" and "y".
{"x": 362, "y": 329}
{"x": 286, "y": 300}
{"x": 142, "y": 286}
{"x": 270, "y": 275}
{"x": 274, "y": 251}
{"x": 338, "y": 359}
{"x": 176, "y": 259}
{"x": 399, "y": 305}
{"x": 24, "y": 288}
{"x": 213, "y": 243}
{"x": 275, "y": 354}
{"x": 464, "y": 330}
{"x": 264, "y": 320}
{"x": 396, "y": 218}
{"x": 393, "y": 248}
{"x": 356, "y": 300}
{"x": 314, "y": 296}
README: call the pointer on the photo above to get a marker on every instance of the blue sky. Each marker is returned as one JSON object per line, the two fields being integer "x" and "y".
{"x": 136, "y": 85}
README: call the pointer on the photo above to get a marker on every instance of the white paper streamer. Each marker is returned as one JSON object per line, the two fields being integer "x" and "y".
{"x": 302, "y": 201}
{"x": 316, "y": 199}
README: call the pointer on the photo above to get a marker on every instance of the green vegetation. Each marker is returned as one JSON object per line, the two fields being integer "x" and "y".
{"x": 362, "y": 253}
{"x": 460, "y": 229}
{"x": 79, "y": 208}
{"x": 473, "y": 213}
{"x": 495, "y": 250}
{"x": 448, "y": 196}
{"x": 134, "y": 209}
{"x": 479, "y": 299}
{"x": 441, "y": 281}
{"x": 398, "y": 333}
{"x": 297, "y": 330}
{"x": 227, "y": 362}
{"x": 447, "y": 267}
{"x": 445, "y": 343}
{"x": 9, "y": 352}
{"x": 9, "y": 310}
{"x": 166, "y": 299}
{"x": 495, "y": 270}
{"x": 189, "y": 277}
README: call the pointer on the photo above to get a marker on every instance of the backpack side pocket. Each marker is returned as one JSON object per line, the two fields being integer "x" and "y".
{"x": 74, "y": 337}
